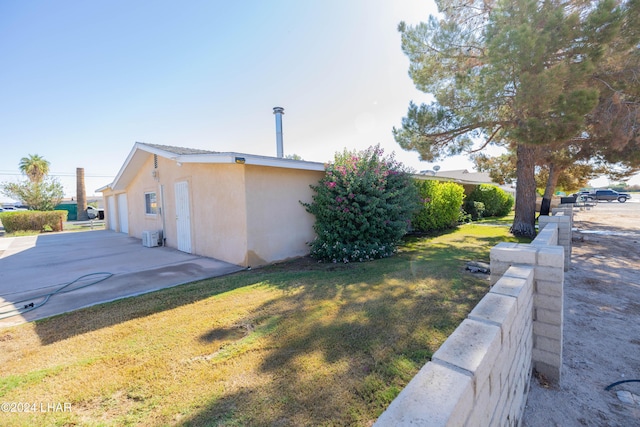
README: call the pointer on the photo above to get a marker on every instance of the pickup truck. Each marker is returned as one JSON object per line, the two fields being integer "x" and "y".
{"x": 608, "y": 195}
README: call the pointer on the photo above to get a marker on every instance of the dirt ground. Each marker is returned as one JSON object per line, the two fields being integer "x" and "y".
{"x": 601, "y": 326}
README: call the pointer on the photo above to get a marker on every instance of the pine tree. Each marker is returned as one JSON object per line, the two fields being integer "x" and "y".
{"x": 516, "y": 73}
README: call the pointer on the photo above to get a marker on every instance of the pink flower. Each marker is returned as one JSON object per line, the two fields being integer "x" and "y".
{"x": 331, "y": 184}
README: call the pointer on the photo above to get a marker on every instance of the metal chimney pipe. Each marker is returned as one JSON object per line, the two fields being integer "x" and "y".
{"x": 279, "y": 111}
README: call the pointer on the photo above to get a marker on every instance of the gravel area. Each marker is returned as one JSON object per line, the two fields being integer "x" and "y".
{"x": 601, "y": 326}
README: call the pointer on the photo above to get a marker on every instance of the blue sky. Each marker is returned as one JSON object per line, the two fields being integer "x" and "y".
{"x": 82, "y": 81}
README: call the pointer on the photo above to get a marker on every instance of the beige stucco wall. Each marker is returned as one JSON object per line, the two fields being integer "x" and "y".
{"x": 242, "y": 214}
{"x": 144, "y": 182}
{"x": 279, "y": 227}
{"x": 218, "y": 211}
{"x": 216, "y": 205}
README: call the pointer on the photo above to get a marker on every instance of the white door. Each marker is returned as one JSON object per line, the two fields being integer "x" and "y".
{"x": 111, "y": 212}
{"x": 123, "y": 213}
{"x": 183, "y": 216}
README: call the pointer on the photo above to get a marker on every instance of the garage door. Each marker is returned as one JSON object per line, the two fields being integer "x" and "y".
{"x": 123, "y": 213}
{"x": 111, "y": 212}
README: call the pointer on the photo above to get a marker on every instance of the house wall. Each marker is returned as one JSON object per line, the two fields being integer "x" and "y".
{"x": 216, "y": 205}
{"x": 242, "y": 214}
{"x": 278, "y": 225}
{"x": 218, "y": 214}
{"x": 143, "y": 182}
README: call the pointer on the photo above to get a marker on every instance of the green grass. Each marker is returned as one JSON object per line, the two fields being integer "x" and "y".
{"x": 297, "y": 343}
{"x": 506, "y": 221}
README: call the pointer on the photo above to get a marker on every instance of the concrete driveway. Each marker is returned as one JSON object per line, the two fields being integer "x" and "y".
{"x": 95, "y": 266}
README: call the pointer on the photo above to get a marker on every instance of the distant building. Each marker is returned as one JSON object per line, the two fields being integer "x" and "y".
{"x": 469, "y": 180}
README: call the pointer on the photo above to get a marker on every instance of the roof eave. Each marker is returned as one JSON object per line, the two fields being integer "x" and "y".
{"x": 120, "y": 182}
{"x": 451, "y": 179}
{"x": 249, "y": 159}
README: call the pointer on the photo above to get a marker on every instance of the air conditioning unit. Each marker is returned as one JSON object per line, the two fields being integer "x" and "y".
{"x": 151, "y": 239}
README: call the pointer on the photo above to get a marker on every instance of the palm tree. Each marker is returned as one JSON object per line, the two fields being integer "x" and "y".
{"x": 35, "y": 167}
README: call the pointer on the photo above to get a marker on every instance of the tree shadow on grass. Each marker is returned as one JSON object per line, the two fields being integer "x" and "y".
{"x": 335, "y": 347}
{"x": 348, "y": 338}
{"x": 67, "y": 325}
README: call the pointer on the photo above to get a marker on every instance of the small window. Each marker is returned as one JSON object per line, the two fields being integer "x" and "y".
{"x": 150, "y": 203}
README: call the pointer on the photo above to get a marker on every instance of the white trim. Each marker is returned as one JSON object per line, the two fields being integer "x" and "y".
{"x": 249, "y": 159}
{"x": 211, "y": 158}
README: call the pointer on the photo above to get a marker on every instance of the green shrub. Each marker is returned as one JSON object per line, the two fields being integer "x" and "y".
{"x": 363, "y": 206}
{"x": 440, "y": 205}
{"x": 496, "y": 201}
{"x": 464, "y": 217}
{"x": 33, "y": 220}
{"x": 475, "y": 210}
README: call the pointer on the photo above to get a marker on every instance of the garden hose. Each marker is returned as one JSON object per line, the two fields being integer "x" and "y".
{"x": 610, "y": 386}
{"x": 28, "y": 304}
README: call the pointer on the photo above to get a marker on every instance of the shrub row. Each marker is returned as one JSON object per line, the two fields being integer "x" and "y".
{"x": 440, "y": 205}
{"x": 33, "y": 220}
{"x": 487, "y": 200}
{"x": 444, "y": 205}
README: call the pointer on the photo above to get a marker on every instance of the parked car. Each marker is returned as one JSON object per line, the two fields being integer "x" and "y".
{"x": 95, "y": 213}
{"x": 609, "y": 196}
{"x": 11, "y": 209}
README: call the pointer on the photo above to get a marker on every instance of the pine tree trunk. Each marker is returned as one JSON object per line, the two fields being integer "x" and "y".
{"x": 524, "y": 223}
{"x": 81, "y": 195}
{"x": 552, "y": 182}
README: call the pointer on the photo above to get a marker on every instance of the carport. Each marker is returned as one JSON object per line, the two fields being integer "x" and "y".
{"x": 93, "y": 267}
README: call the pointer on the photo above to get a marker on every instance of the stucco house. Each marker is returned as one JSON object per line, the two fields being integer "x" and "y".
{"x": 239, "y": 208}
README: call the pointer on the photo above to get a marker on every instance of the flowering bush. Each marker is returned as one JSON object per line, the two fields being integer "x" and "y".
{"x": 440, "y": 205}
{"x": 363, "y": 207}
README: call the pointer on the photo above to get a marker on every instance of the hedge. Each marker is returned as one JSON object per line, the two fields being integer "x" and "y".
{"x": 496, "y": 201}
{"x": 440, "y": 205}
{"x": 33, "y": 220}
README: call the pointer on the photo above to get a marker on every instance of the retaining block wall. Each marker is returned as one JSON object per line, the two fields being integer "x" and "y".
{"x": 480, "y": 375}
{"x": 548, "y": 301}
{"x": 563, "y": 217}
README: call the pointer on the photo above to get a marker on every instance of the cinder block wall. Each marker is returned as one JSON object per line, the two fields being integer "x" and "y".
{"x": 548, "y": 266}
{"x": 480, "y": 375}
{"x": 563, "y": 217}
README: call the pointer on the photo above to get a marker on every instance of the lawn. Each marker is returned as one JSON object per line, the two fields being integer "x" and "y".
{"x": 298, "y": 343}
